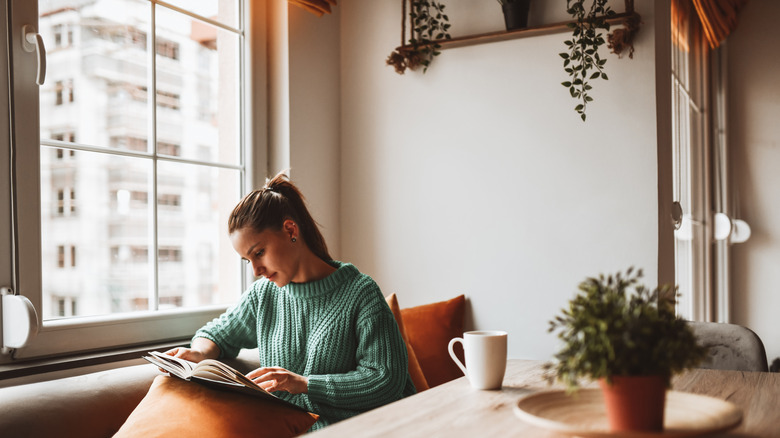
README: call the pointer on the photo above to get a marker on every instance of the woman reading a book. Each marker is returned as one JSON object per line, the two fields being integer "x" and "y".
{"x": 327, "y": 340}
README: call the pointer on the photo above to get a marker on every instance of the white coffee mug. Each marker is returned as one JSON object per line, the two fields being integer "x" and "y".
{"x": 485, "y": 354}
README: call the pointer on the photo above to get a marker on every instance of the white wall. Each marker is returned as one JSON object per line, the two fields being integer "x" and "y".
{"x": 314, "y": 133}
{"x": 754, "y": 97}
{"x": 304, "y": 117}
{"x": 479, "y": 178}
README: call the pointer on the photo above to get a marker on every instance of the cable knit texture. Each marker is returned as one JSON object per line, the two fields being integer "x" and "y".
{"x": 338, "y": 331}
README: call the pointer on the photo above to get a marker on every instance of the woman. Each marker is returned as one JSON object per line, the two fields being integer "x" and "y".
{"x": 327, "y": 340}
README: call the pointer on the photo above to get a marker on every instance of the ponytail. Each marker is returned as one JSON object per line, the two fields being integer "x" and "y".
{"x": 269, "y": 207}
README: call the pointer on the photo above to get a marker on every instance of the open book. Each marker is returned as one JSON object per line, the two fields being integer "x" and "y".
{"x": 213, "y": 373}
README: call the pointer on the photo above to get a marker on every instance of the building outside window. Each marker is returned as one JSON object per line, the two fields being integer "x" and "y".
{"x": 146, "y": 72}
{"x": 112, "y": 45}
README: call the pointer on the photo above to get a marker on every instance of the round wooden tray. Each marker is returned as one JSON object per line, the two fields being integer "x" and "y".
{"x": 583, "y": 414}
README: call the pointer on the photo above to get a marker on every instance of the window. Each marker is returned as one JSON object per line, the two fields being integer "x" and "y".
{"x": 62, "y": 251}
{"x": 170, "y": 200}
{"x": 66, "y": 202}
{"x": 699, "y": 126}
{"x": 58, "y": 89}
{"x": 62, "y": 35}
{"x": 83, "y": 208}
{"x": 72, "y": 201}
{"x": 167, "y": 100}
{"x": 63, "y": 91}
{"x": 66, "y": 306}
{"x": 57, "y": 35}
{"x": 60, "y": 256}
{"x": 168, "y": 49}
{"x": 169, "y": 255}
{"x": 165, "y": 148}
{"x": 689, "y": 116}
{"x": 64, "y": 136}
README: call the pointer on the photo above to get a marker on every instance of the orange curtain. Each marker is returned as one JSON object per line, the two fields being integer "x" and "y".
{"x": 317, "y": 7}
{"x": 681, "y": 16}
{"x": 718, "y": 17}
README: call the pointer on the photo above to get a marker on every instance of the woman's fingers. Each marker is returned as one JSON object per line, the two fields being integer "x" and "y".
{"x": 254, "y": 374}
{"x": 278, "y": 379}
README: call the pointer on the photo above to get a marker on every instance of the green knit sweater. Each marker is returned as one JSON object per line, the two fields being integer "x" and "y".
{"x": 339, "y": 332}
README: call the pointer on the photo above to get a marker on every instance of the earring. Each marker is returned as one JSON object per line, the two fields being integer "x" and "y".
{"x": 293, "y": 240}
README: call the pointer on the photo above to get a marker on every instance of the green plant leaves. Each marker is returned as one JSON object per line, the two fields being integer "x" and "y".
{"x": 616, "y": 326}
{"x": 583, "y": 48}
{"x": 431, "y": 24}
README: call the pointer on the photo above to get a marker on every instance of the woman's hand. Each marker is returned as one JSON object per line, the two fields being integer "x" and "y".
{"x": 202, "y": 348}
{"x": 187, "y": 354}
{"x": 279, "y": 379}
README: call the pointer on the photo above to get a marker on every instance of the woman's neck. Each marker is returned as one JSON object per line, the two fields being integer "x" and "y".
{"x": 313, "y": 268}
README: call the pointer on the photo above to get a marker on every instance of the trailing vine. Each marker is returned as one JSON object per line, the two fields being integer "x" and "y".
{"x": 582, "y": 62}
{"x": 429, "y": 24}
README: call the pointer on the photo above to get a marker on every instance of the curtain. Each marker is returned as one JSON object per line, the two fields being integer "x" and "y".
{"x": 317, "y": 7}
{"x": 718, "y": 19}
{"x": 681, "y": 16}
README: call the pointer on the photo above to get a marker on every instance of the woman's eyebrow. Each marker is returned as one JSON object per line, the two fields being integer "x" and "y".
{"x": 252, "y": 248}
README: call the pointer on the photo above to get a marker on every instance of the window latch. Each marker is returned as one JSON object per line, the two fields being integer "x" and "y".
{"x": 32, "y": 41}
{"x": 19, "y": 321}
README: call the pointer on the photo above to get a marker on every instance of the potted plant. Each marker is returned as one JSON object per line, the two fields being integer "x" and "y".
{"x": 430, "y": 25}
{"x": 628, "y": 338}
{"x": 515, "y": 13}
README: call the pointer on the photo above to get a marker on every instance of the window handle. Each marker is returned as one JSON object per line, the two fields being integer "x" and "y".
{"x": 735, "y": 230}
{"x": 32, "y": 41}
{"x": 18, "y": 320}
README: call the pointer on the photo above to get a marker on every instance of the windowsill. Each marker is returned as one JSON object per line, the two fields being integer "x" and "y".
{"x": 72, "y": 365}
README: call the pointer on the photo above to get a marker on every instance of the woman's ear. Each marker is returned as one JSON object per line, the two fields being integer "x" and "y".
{"x": 290, "y": 228}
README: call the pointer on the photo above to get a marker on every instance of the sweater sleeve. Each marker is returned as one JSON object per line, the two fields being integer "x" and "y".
{"x": 381, "y": 375}
{"x": 235, "y": 329}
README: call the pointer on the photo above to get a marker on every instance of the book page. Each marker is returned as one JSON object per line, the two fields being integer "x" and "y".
{"x": 211, "y": 369}
{"x": 174, "y": 365}
{"x": 217, "y": 370}
{"x": 214, "y": 373}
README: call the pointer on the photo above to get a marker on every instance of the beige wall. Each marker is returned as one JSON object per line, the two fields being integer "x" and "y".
{"x": 479, "y": 178}
{"x": 304, "y": 130}
{"x": 754, "y": 139}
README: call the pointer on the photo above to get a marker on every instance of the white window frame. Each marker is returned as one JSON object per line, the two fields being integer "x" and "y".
{"x": 691, "y": 176}
{"x": 20, "y": 221}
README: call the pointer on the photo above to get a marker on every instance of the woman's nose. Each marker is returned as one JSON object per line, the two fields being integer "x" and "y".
{"x": 257, "y": 269}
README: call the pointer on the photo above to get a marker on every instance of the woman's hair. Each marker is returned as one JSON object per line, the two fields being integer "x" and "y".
{"x": 269, "y": 207}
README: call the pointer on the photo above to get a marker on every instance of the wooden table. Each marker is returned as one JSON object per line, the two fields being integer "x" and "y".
{"x": 454, "y": 409}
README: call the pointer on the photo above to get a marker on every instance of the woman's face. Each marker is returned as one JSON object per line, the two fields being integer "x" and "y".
{"x": 272, "y": 254}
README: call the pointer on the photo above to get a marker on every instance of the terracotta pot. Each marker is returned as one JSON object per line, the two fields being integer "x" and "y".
{"x": 635, "y": 403}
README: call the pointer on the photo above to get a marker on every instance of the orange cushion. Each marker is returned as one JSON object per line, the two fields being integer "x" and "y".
{"x": 430, "y": 328}
{"x": 175, "y": 407}
{"x": 418, "y": 378}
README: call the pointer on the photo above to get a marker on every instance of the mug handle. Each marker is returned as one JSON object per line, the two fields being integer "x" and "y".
{"x": 455, "y": 358}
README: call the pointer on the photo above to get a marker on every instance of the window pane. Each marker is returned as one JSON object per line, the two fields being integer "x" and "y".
{"x": 197, "y": 264}
{"x": 96, "y": 85}
{"x": 106, "y": 224}
{"x": 116, "y": 236}
{"x": 223, "y": 11}
{"x": 197, "y": 95}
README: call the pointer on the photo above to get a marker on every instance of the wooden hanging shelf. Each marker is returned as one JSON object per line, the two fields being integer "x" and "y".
{"x": 491, "y": 37}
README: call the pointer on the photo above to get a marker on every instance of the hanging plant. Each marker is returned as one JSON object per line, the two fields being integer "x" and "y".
{"x": 429, "y": 24}
{"x": 582, "y": 62}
